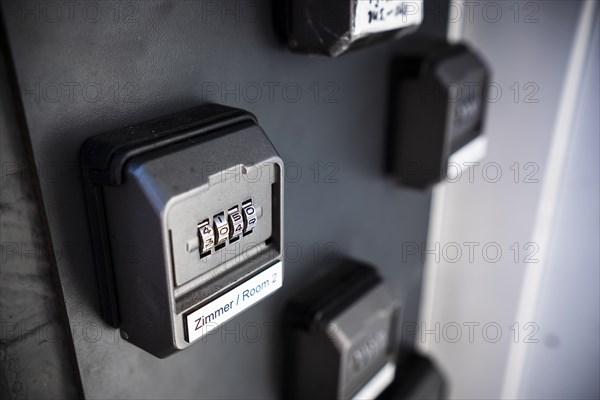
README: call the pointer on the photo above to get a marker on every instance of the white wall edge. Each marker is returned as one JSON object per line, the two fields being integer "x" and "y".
{"x": 547, "y": 204}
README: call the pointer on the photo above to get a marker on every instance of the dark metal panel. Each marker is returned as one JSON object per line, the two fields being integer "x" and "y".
{"x": 36, "y": 353}
{"x": 103, "y": 65}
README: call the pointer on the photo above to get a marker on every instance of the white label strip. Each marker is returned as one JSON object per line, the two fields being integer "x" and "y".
{"x": 221, "y": 310}
{"x": 471, "y": 152}
{"x": 373, "y": 16}
{"x": 377, "y": 383}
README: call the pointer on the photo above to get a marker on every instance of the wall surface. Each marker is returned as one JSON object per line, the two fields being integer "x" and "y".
{"x": 35, "y": 347}
{"x": 567, "y": 363}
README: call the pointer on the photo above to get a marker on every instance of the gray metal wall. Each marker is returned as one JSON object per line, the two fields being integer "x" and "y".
{"x": 34, "y": 344}
{"x": 102, "y": 65}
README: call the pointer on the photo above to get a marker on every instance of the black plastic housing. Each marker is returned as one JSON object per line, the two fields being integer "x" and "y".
{"x": 150, "y": 189}
{"x": 340, "y": 332}
{"x": 438, "y": 94}
{"x": 417, "y": 378}
{"x": 327, "y": 27}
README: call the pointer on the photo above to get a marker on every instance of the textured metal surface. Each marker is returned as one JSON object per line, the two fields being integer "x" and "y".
{"x": 34, "y": 341}
{"x": 85, "y": 73}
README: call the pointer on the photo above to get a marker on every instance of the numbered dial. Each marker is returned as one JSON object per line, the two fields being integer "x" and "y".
{"x": 206, "y": 235}
{"x": 221, "y": 229}
{"x": 236, "y": 223}
{"x": 230, "y": 225}
{"x": 249, "y": 214}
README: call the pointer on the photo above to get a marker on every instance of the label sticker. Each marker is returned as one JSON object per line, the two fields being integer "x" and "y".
{"x": 221, "y": 310}
{"x": 373, "y": 16}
